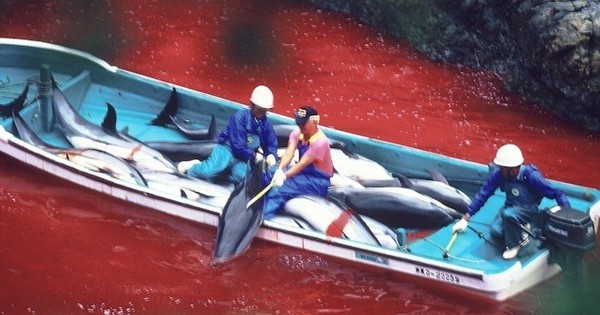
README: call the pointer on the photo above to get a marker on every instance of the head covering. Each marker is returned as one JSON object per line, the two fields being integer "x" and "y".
{"x": 304, "y": 113}
{"x": 262, "y": 97}
{"x": 509, "y": 155}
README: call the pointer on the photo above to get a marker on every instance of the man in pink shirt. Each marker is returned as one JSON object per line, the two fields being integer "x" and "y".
{"x": 310, "y": 176}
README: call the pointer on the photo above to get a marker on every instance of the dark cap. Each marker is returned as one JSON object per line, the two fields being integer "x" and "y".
{"x": 304, "y": 113}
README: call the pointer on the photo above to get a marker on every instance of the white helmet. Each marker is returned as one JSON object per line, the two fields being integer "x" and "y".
{"x": 262, "y": 97}
{"x": 509, "y": 155}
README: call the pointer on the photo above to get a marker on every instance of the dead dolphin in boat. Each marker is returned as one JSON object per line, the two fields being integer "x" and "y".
{"x": 196, "y": 189}
{"x": 175, "y": 151}
{"x": 185, "y": 150}
{"x": 192, "y": 133}
{"x": 238, "y": 223}
{"x": 201, "y": 149}
{"x": 83, "y": 134}
{"x": 438, "y": 189}
{"x": 386, "y": 236}
{"x": 91, "y": 159}
{"x": 396, "y": 206}
{"x": 169, "y": 116}
{"x": 358, "y": 167}
{"x": 290, "y": 221}
{"x": 331, "y": 218}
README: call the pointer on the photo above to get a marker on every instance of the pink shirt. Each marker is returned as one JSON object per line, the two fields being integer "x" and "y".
{"x": 318, "y": 148}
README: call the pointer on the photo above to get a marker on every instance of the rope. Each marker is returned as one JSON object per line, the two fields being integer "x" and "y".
{"x": 452, "y": 256}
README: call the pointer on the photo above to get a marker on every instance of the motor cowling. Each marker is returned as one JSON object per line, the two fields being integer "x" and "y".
{"x": 569, "y": 234}
{"x": 570, "y": 228}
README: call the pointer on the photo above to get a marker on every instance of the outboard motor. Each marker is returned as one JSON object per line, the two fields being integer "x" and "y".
{"x": 570, "y": 235}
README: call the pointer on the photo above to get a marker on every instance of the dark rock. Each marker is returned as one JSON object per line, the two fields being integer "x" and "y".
{"x": 546, "y": 51}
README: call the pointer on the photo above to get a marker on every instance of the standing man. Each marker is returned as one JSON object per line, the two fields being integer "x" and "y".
{"x": 310, "y": 176}
{"x": 524, "y": 186}
{"x": 247, "y": 131}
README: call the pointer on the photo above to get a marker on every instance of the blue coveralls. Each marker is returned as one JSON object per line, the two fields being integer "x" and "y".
{"x": 310, "y": 181}
{"x": 236, "y": 145}
{"x": 523, "y": 196}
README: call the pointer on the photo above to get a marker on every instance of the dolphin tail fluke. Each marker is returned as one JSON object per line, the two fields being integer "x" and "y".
{"x": 15, "y": 105}
{"x": 170, "y": 109}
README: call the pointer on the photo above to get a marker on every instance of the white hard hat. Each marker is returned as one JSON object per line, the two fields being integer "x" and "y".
{"x": 509, "y": 155}
{"x": 262, "y": 97}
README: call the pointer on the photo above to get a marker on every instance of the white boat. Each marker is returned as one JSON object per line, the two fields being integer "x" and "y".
{"x": 469, "y": 264}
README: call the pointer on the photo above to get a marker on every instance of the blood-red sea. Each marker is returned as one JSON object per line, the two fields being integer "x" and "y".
{"x": 67, "y": 250}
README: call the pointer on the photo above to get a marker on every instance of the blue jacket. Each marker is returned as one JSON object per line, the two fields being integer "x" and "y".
{"x": 530, "y": 177}
{"x": 240, "y": 131}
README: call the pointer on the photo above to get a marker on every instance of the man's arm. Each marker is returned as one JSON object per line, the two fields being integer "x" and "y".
{"x": 484, "y": 193}
{"x": 546, "y": 189}
{"x": 238, "y": 138}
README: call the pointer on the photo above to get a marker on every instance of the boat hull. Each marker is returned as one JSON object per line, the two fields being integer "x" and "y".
{"x": 474, "y": 266}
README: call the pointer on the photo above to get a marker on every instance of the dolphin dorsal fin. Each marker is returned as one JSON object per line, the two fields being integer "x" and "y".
{"x": 110, "y": 119}
{"x": 437, "y": 176}
{"x": 170, "y": 109}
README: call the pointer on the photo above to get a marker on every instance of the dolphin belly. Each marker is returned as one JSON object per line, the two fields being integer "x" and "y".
{"x": 329, "y": 218}
{"x": 396, "y": 207}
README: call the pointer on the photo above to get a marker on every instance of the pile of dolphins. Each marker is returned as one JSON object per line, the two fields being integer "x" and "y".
{"x": 365, "y": 202}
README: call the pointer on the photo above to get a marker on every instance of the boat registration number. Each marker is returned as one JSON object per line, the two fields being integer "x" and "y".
{"x": 436, "y": 274}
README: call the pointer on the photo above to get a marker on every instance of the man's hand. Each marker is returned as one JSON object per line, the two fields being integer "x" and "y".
{"x": 184, "y": 166}
{"x": 460, "y": 226}
{"x": 278, "y": 178}
{"x": 271, "y": 160}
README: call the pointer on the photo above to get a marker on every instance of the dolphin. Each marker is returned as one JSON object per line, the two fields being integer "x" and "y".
{"x": 290, "y": 221}
{"x": 102, "y": 162}
{"x": 330, "y": 218}
{"x": 168, "y": 116}
{"x": 175, "y": 151}
{"x": 238, "y": 223}
{"x": 358, "y": 167}
{"x": 439, "y": 189}
{"x": 185, "y": 150}
{"x": 396, "y": 206}
{"x": 83, "y": 134}
{"x": 386, "y": 236}
{"x": 89, "y": 158}
{"x": 186, "y": 128}
{"x": 196, "y": 189}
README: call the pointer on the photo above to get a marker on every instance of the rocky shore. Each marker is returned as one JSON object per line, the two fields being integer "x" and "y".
{"x": 546, "y": 51}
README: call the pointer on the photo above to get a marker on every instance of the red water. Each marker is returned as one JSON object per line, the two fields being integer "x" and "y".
{"x": 67, "y": 250}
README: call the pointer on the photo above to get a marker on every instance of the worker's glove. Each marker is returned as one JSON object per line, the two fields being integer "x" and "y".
{"x": 271, "y": 160}
{"x": 184, "y": 166}
{"x": 460, "y": 226}
{"x": 278, "y": 178}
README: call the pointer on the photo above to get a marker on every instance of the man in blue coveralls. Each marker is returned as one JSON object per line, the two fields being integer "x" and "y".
{"x": 247, "y": 130}
{"x": 313, "y": 171}
{"x": 524, "y": 186}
